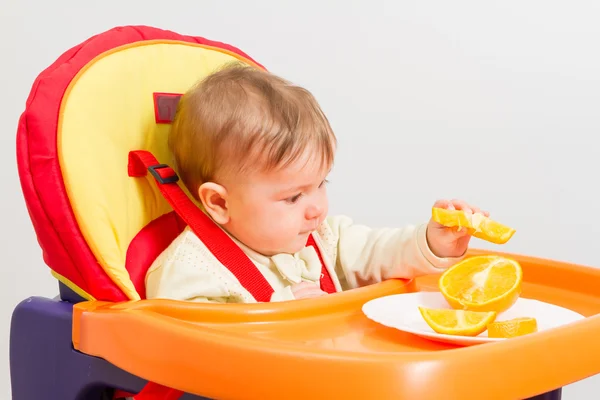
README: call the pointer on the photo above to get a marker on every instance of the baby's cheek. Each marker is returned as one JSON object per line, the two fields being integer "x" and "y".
{"x": 285, "y": 224}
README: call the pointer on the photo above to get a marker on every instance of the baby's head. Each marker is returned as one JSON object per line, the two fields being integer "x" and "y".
{"x": 255, "y": 150}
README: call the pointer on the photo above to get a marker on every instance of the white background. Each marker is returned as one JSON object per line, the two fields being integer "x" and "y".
{"x": 494, "y": 102}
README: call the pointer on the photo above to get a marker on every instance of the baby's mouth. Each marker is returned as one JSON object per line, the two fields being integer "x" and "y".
{"x": 308, "y": 232}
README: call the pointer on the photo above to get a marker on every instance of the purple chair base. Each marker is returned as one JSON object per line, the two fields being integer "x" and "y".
{"x": 44, "y": 365}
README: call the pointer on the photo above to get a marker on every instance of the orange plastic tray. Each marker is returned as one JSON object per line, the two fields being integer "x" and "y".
{"x": 326, "y": 348}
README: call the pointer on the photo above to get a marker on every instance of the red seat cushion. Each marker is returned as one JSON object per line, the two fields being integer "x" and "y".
{"x": 147, "y": 245}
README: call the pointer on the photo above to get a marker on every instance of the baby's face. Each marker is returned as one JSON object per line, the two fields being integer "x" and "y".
{"x": 275, "y": 212}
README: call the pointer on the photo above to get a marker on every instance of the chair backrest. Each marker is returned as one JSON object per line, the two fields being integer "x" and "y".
{"x": 98, "y": 228}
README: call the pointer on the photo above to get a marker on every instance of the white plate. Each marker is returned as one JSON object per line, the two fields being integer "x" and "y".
{"x": 401, "y": 311}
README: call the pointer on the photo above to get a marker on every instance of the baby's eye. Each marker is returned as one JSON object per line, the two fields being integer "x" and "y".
{"x": 325, "y": 181}
{"x": 294, "y": 198}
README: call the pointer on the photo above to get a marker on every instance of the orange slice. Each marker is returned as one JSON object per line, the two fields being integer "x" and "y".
{"x": 482, "y": 283}
{"x": 457, "y": 322}
{"x": 478, "y": 225}
{"x": 513, "y": 327}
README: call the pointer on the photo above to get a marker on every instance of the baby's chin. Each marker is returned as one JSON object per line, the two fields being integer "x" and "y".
{"x": 292, "y": 248}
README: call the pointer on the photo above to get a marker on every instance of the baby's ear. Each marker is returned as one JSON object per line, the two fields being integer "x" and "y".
{"x": 213, "y": 197}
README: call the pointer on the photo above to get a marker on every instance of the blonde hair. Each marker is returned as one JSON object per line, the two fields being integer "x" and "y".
{"x": 242, "y": 118}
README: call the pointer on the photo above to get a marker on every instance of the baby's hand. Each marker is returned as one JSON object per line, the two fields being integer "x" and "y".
{"x": 450, "y": 242}
{"x": 306, "y": 290}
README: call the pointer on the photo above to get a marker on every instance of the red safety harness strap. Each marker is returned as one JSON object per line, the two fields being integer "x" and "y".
{"x": 152, "y": 391}
{"x": 326, "y": 282}
{"x": 213, "y": 237}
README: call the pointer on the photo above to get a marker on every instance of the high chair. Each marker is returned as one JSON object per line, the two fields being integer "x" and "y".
{"x": 93, "y": 164}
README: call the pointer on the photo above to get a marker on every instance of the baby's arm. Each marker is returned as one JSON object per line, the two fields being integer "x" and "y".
{"x": 366, "y": 256}
{"x": 176, "y": 280}
{"x": 186, "y": 271}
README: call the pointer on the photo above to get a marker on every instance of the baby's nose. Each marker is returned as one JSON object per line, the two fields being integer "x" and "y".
{"x": 314, "y": 211}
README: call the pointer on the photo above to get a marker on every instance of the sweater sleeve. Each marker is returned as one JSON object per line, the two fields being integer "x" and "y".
{"x": 175, "y": 279}
{"x": 185, "y": 271}
{"x": 366, "y": 255}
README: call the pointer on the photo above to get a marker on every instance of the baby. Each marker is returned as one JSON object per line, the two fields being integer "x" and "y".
{"x": 255, "y": 152}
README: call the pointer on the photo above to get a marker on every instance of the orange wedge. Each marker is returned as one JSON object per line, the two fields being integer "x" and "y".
{"x": 457, "y": 322}
{"x": 482, "y": 283}
{"x": 478, "y": 225}
{"x": 513, "y": 327}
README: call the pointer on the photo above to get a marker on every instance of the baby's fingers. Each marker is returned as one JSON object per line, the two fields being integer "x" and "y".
{"x": 443, "y": 204}
{"x": 473, "y": 209}
{"x": 305, "y": 290}
{"x": 461, "y": 205}
{"x": 480, "y": 211}
{"x": 456, "y": 204}
{"x": 309, "y": 293}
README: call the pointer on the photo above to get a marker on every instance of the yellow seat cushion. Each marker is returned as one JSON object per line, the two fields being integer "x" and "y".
{"x": 107, "y": 111}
